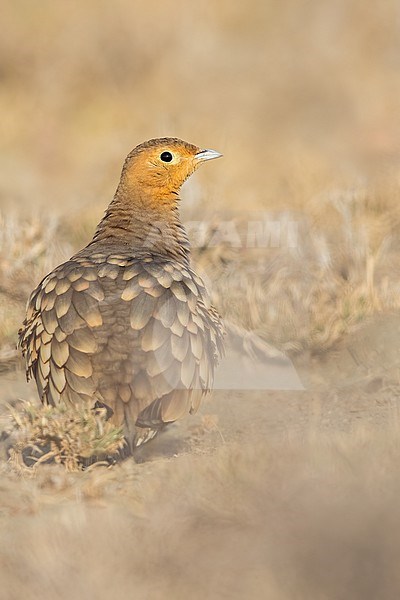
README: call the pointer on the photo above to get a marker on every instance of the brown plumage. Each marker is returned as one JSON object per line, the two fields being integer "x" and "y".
{"x": 126, "y": 323}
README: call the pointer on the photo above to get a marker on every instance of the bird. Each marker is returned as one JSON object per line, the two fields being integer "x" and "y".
{"x": 126, "y": 324}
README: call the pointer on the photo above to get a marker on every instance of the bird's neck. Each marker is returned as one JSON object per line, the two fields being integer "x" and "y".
{"x": 145, "y": 223}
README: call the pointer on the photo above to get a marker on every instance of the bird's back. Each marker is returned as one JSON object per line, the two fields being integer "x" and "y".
{"x": 134, "y": 333}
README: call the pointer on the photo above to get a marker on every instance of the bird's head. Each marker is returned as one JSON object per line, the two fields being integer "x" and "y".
{"x": 159, "y": 167}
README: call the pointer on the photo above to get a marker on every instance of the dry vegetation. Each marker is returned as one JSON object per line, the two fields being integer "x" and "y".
{"x": 71, "y": 436}
{"x": 302, "y": 99}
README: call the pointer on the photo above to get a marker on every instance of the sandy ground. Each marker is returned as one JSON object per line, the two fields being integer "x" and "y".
{"x": 263, "y": 494}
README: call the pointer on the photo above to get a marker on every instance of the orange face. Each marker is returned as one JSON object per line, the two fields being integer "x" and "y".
{"x": 162, "y": 165}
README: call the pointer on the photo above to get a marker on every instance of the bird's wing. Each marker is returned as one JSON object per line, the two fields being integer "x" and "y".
{"x": 180, "y": 341}
{"x": 57, "y": 336}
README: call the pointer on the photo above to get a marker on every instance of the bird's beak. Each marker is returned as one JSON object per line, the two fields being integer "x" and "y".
{"x": 207, "y": 155}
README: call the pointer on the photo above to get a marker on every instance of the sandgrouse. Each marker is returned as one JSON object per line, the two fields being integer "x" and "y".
{"x": 126, "y": 323}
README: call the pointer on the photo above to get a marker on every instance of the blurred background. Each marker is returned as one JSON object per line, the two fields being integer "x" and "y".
{"x": 302, "y": 98}
{"x": 297, "y": 96}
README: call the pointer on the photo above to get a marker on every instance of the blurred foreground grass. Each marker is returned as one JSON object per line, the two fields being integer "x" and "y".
{"x": 298, "y": 518}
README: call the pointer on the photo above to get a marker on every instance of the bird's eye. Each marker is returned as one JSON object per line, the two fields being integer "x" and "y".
{"x": 166, "y": 156}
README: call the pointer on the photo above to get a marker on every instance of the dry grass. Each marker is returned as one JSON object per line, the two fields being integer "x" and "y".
{"x": 71, "y": 436}
{"x": 319, "y": 282}
{"x": 29, "y": 248}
